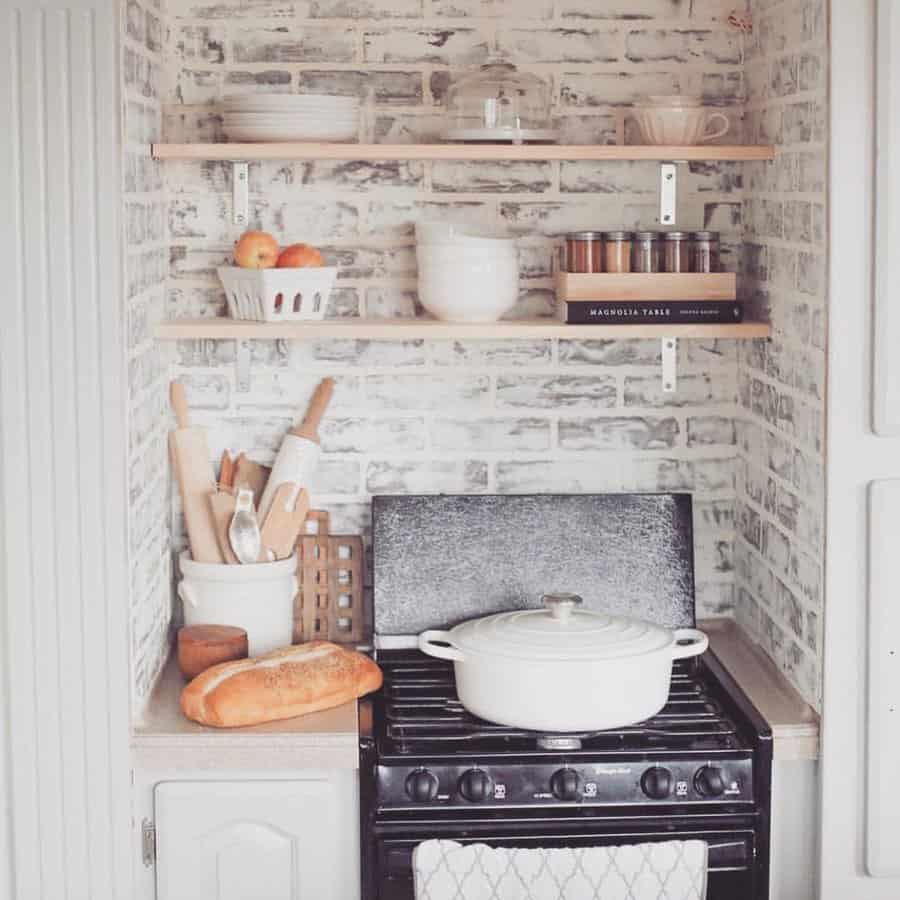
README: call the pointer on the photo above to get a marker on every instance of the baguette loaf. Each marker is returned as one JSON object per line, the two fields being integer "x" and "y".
{"x": 288, "y": 682}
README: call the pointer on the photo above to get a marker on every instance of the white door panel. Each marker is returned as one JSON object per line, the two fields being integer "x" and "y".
{"x": 253, "y": 840}
{"x": 883, "y": 708}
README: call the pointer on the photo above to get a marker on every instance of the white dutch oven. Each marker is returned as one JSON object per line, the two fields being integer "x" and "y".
{"x": 560, "y": 668}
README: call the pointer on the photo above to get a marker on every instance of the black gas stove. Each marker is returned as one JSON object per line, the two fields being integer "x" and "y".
{"x": 699, "y": 769}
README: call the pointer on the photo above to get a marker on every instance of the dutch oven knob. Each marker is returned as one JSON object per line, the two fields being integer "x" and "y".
{"x": 561, "y": 605}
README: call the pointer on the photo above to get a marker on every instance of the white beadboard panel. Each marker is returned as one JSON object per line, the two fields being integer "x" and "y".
{"x": 882, "y": 791}
{"x": 63, "y": 444}
{"x": 886, "y": 381}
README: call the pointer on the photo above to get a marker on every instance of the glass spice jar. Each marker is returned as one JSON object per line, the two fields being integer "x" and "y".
{"x": 676, "y": 251}
{"x": 584, "y": 251}
{"x": 645, "y": 252}
{"x": 705, "y": 251}
{"x": 617, "y": 250}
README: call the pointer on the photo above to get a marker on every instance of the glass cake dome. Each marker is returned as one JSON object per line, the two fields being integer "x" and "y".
{"x": 499, "y": 103}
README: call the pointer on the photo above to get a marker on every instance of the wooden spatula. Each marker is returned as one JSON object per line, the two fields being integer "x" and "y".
{"x": 221, "y": 503}
{"x": 283, "y": 523}
{"x": 248, "y": 473}
{"x": 196, "y": 479}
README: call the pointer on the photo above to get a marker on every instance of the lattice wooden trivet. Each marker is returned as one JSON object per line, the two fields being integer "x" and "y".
{"x": 329, "y": 604}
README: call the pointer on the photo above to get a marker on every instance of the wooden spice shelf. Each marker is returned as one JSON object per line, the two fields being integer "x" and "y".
{"x": 478, "y": 152}
{"x": 412, "y": 329}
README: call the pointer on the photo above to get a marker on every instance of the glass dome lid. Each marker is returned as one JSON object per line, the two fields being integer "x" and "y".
{"x": 499, "y": 103}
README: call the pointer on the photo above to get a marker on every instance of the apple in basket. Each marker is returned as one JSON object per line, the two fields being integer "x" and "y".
{"x": 256, "y": 250}
{"x": 300, "y": 256}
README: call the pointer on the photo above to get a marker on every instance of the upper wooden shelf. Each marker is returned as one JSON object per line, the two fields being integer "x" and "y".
{"x": 537, "y": 152}
{"x": 396, "y": 329}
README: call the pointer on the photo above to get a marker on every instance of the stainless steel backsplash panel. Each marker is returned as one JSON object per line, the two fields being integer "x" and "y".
{"x": 439, "y": 560}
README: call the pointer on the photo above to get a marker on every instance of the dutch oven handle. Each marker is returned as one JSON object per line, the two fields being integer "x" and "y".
{"x": 698, "y": 642}
{"x": 431, "y": 642}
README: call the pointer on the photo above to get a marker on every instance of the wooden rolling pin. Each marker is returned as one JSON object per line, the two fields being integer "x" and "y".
{"x": 196, "y": 479}
{"x": 300, "y": 450}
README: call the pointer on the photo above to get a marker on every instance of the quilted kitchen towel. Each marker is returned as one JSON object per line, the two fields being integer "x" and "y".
{"x": 672, "y": 870}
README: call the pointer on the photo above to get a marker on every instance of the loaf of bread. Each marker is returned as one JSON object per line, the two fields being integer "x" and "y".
{"x": 288, "y": 682}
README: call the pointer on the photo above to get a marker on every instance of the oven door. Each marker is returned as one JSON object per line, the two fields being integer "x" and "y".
{"x": 732, "y": 852}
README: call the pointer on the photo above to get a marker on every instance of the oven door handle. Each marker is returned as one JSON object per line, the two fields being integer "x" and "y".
{"x": 438, "y": 643}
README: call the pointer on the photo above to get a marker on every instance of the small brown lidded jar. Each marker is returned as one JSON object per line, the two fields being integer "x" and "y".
{"x": 617, "y": 250}
{"x": 705, "y": 251}
{"x": 676, "y": 251}
{"x": 584, "y": 251}
{"x": 202, "y": 646}
{"x": 645, "y": 252}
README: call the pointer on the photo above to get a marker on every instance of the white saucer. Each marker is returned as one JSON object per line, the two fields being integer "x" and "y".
{"x": 503, "y": 135}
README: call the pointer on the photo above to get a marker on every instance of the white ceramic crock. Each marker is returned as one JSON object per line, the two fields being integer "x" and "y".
{"x": 258, "y": 598}
{"x": 560, "y": 668}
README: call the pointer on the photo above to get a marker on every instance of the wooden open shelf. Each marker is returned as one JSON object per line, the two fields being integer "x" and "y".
{"x": 411, "y": 329}
{"x": 535, "y": 152}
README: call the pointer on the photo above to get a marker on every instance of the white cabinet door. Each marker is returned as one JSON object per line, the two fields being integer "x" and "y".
{"x": 255, "y": 840}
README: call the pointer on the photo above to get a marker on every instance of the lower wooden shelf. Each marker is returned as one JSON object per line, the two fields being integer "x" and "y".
{"x": 411, "y": 329}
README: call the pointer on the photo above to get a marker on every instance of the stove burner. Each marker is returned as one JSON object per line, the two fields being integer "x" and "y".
{"x": 558, "y": 742}
{"x": 423, "y": 714}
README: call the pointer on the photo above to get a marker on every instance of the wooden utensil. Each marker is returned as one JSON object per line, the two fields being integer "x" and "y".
{"x": 226, "y": 470}
{"x": 283, "y": 523}
{"x": 300, "y": 450}
{"x": 222, "y": 504}
{"x": 196, "y": 480}
{"x": 202, "y": 646}
{"x": 248, "y": 473}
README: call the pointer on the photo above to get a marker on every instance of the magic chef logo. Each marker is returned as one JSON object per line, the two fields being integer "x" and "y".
{"x": 614, "y": 771}
{"x": 628, "y": 311}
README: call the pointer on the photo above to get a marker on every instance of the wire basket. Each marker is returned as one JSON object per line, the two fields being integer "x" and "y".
{"x": 277, "y": 295}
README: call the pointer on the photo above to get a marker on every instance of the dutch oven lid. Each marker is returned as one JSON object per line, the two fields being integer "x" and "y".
{"x": 559, "y": 633}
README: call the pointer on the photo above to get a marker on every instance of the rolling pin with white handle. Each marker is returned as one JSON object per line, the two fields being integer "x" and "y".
{"x": 300, "y": 450}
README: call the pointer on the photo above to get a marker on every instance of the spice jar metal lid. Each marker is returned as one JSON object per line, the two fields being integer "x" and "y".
{"x": 584, "y": 236}
{"x": 705, "y": 235}
{"x": 675, "y": 236}
{"x": 617, "y": 235}
{"x": 646, "y": 235}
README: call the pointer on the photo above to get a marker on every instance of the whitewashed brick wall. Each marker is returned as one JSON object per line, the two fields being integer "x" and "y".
{"x": 510, "y": 416}
{"x": 780, "y": 544}
{"x": 144, "y": 217}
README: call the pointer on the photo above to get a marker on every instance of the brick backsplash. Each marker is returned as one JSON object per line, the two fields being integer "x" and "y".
{"x": 779, "y": 547}
{"x": 146, "y": 239}
{"x": 743, "y": 433}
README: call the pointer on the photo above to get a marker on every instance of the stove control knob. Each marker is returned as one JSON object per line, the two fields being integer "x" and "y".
{"x": 421, "y": 786}
{"x": 709, "y": 782}
{"x": 476, "y": 786}
{"x": 656, "y": 783}
{"x": 566, "y": 784}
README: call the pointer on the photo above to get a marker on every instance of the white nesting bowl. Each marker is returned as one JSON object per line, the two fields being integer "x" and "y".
{"x": 476, "y": 291}
{"x": 442, "y": 234}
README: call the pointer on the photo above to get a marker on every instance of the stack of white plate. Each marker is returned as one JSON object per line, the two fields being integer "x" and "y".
{"x": 291, "y": 117}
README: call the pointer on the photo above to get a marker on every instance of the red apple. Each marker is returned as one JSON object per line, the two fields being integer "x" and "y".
{"x": 300, "y": 256}
{"x": 256, "y": 250}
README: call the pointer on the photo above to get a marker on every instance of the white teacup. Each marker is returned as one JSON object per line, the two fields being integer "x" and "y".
{"x": 678, "y": 125}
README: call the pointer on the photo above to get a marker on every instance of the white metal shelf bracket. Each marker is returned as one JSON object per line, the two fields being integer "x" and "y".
{"x": 668, "y": 193}
{"x": 240, "y": 193}
{"x": 242, "y": 354}
{"x": 669, "y": 365}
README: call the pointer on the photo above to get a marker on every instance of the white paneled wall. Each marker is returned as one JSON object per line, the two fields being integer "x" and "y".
{"x": 63, "y": 445}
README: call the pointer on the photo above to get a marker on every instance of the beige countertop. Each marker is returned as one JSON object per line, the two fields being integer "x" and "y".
{"x": 166, "y": 739}
{"x": 328, "y": 739}
{"x": 794, "y": 723}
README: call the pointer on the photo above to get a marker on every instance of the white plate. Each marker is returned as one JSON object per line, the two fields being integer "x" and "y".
{"x": 285, "y": 100}
{"x": 266, "y": 135}
{"x": 502, "y": 135}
